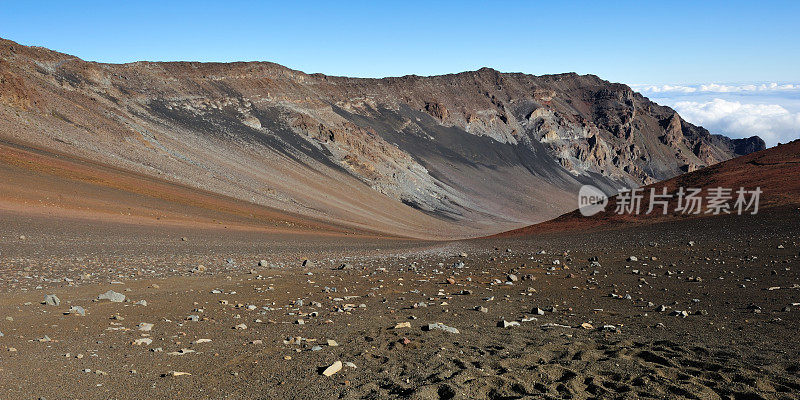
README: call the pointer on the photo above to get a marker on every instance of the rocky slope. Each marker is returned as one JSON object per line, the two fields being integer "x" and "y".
{"x": 454, "y": 155}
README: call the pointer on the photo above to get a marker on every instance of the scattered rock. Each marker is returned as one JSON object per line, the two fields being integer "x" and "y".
{"x": 507, "y": 324}
{"x": 112, "y": 296}
{"x": 145, "y": 327}
{"x": 77, "y": 310}
{"x": 442, "y": 327}
{"x": 332, "y": 369}
{"x": 52, "y": 300}
{"x": 176, "y": 373}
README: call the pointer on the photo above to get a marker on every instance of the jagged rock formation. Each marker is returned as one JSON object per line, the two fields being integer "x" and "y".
{"x": 451, "y": 155}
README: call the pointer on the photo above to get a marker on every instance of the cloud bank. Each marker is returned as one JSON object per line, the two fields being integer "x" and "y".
{"x": 771, "y": 122}
{"x": 770, "y": 110}
{"x": 717, "y": 88}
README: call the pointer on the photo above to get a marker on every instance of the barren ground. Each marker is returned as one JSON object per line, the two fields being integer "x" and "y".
{"x": 730, "y": 352}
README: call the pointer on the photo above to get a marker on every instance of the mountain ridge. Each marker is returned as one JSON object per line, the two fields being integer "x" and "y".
{"x": 451, "y": 155}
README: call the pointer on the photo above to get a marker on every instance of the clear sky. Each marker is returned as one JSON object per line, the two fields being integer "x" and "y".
{"x": 633, "y": 42}
{"x": 642, "y": 42}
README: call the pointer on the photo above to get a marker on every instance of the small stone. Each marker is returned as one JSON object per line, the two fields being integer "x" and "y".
{"x": 633, "y": 258}
{"x": 512, "y": 278}
{"x": 587, "y": 326}
{"x": 677, "y": 313}
{"x": 610, "y": 328}
{"x": 333, "y": 368}
{"x": 403, "y": 325}
{"x": 240, "y": 327}
{"x": 112, "y": 296}
{"x": 481, "y": 309}
{"x": 442, "y": 327}
{"x": 176, "y": 373}
{"x": 145, "y": 327}
{"x": 537, "y": 311}
{"x": 141, "y": 303}
{"x": 332, "y": 343}
{"x": 507, "y": 324}
{"x": 198, "y": 341}
{"x": 52, "y": 300}
{"x": 77, "y": 310}
{"x": 142, "y": 341}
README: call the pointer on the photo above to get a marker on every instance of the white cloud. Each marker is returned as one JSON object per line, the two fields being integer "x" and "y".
{"x": 772, "y": 122}
{"x": 718, "y": 88}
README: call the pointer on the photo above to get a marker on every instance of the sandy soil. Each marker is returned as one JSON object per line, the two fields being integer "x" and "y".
{"x": 727, "y": 350}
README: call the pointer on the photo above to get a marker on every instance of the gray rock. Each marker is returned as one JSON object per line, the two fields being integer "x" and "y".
{"x": 77, "y": 310}
{"x": 677, "y": 313}
{"x": 537, "y": 311}
{"x": 507, "y": 324}
{"x": 442, "y": 327}
{"x": 610, "y": 328}
{"x": 145, "y": 327}
{"x": 112, "y": 296}
{"x": 52, "y": 300}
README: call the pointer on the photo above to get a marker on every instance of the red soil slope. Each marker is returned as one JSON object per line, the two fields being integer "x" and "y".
{"x": 776, "y": 171}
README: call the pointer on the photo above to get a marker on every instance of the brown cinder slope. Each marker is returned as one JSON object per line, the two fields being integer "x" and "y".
{"x": 60, "y": 186}
{"x": 446, "y": 156}
{"x": 776, "y": 171}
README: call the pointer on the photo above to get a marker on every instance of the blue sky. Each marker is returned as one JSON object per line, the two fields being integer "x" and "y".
{"x": 638, "y": 43}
